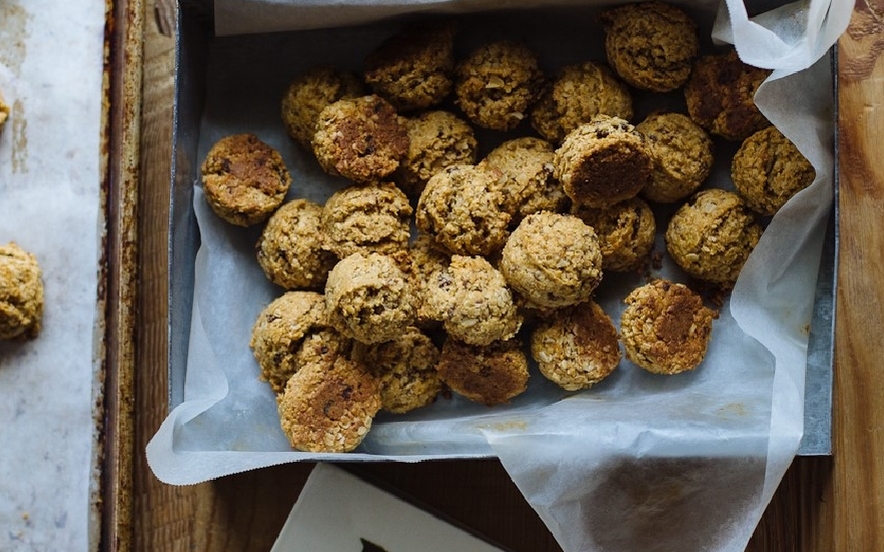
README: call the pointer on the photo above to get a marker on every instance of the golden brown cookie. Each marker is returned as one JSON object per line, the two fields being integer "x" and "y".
{"x": 413, "y": 69}
{"x": 322, "y": 346}
{"x": 4, "y": 111}
{"x": 651, "y": 45}
{"x": 552, "y": 260}
{"x": 244, "y": 179}
{"x": 376, "y": 217}
{"x": 21, "y": 293}
{"x": 720, "y": 95}
{"x": 461, "y": 208}
{"x": 712, "y": 235}
{"x": 527, "y": 182}
{"x": 405, "y": 368}
{"x": 310, "y": 93}
{"x": 289, "y": 250}
{"x": 474, "y": 304}
{"x": 490, "y": 375}
{"x": 329, "y": 409}
{"x": 362, "y": 139}
{"x": 496, "y": 84}
{"x": 626, "y": 232}
{"x": 579, "y": 92}
{"x": 681, "y": 153}
{"x": 369, "y": 298}
{"x": 665, "y": 327}
{"x": 436, "y": 140}
{"x": 427, "y": 260}
{"x": 768, "y": 170}
{"x": 279, "y": 331}
{"x": 576, "y": 347}
{"x": 603, "y": 162}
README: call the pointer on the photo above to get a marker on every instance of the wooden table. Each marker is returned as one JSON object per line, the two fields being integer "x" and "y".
{"x": 823, "y": 504}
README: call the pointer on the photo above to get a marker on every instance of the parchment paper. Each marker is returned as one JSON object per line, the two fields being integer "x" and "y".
{"x": 51, "y": 75}
{"x": 637, "y": 462}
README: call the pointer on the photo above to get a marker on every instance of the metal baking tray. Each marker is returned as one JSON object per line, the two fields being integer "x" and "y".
{"x": 194, "y": 40}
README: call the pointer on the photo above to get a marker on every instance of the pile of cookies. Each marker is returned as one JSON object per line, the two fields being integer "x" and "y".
{"x": 509, "y": 248}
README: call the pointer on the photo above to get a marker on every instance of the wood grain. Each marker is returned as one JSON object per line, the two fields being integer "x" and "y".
{"x": 822, "y": 505}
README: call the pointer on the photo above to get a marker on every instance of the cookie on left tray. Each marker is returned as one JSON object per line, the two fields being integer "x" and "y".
{"x": 244, "y": 179}
{"x": 4, "y": 111}
{"x": 21, "y": 293}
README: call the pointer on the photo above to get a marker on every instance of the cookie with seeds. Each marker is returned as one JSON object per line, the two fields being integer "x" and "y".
{"x": 720, "y": 95}
{"x": 21, "y": 293}
{"x": 576, "y": 347}
{"x": 244, "y": 179}
{"x": 712, "y": 235}
{"x": 665, "y": 327}
{"x": 681, "y": 156}
{"x": 405, "y": 367}
{"x": 603, "y": 162}
{"x": 578, "y": 93}
{"x": 552, "y": 260}
{"x": 329, "y": 409}
{"x": 496, "y": 84}
{"x": 768, "y": 170}
{"x": 279, "y": 331}
{"x": 369, "y": 298}
{"x": 362, "y": 139}
{"x": 413, "y": 68}
{"x": 289, "y": 249}
{"x": 471, "y": 299}
{"x": 374, "y": 217}
{"x": 651, "y": 45}
{"x": 491, "y": 374}
{"x": 311, "y": 92}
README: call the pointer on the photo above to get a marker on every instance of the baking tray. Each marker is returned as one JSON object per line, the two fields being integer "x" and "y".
{"x": 194, "y": 40}
{"x": 120, "y": 150}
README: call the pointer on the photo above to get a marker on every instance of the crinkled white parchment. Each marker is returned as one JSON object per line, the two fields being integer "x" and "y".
{"x": 639, "y": 462}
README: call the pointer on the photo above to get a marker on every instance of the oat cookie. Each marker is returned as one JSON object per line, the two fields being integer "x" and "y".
{"x": 552, "y": 260}
{"x": 289, "y": 249}
{"x": 362, "y": 139}
{"x": 576, "y": 347}
{"x": 497, "y": 83}
{"x": 712, "y": 235}
{"x": 436, "y": 140}
{"x": 427, "y": 260}
{"x": 462, "y": 210}
{"x": 471, "y": 299}
{"x": 405, "y": 368}
{"x": 768, "y": 170}
{"x": 681, "y": 153}
{"x": 279, "y": 331}
{"x": 720, "y": 95}
{"x": 626, "y": 233}
{"x": 4, "y": 111}
{"x": 665, "y": 327}
{"x": 490, "y": 375}
{"x": 329, "y": 409}
{"x": 21, "y": 293}
{"x": 651, "y": 45}
{"x": 322, "y": 346}
{"x": 413, "y": 69}
{"x": 579, "y": 92}
{"x": 244, "y": 179}
{"x": 527, "y": 184}
{"x": 376, "y": 217}
{"x": 369, "y": 298}
{"x": 603, "y": 162}
{"x": 310, "y": 93}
